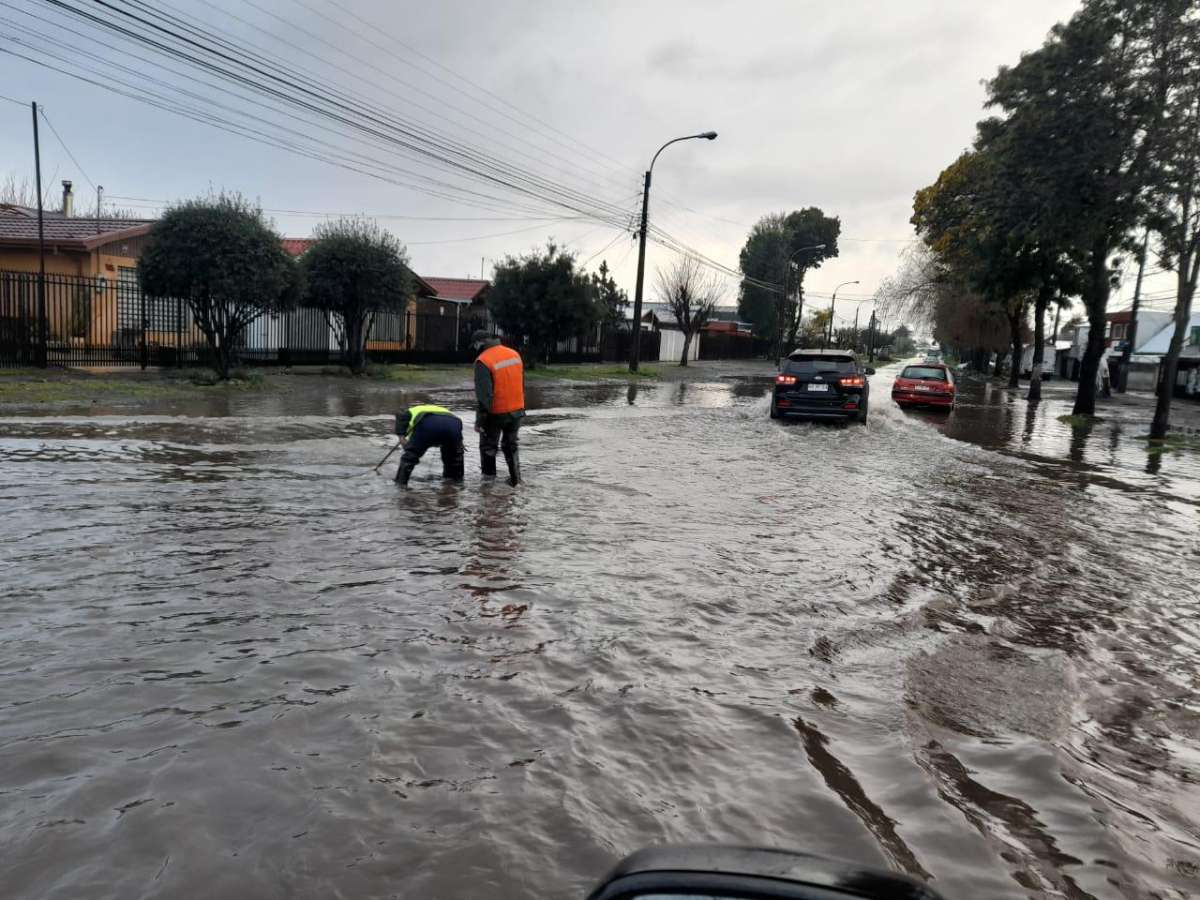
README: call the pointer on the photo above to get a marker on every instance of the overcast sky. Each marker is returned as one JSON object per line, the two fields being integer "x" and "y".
{"x": 849, "y": 106}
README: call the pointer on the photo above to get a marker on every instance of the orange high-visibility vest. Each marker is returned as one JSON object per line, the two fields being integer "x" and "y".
{"x": 508, "y": 378}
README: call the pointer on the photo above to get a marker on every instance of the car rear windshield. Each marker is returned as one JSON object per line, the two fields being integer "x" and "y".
{"x": 811, "y": 365}
{"x": 926, "y": 373}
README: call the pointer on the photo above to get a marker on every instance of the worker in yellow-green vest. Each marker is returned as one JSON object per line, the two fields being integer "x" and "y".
{"x": 424, "y": 426}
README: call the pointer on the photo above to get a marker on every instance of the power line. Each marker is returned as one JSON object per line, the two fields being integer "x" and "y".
{"x": 13, "y": 100}
{"x": 162, "y": 204}
{"x": 66, "y": 148}
{"x": 217, "y": 57}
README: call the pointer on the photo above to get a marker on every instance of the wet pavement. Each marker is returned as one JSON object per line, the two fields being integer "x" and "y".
{"x": 235, "y": 663}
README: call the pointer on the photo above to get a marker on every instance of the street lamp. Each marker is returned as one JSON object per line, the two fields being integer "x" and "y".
{"x": 636, "y": 350}
{"x": 832, "y": 301}
{"x": 787, "y": 268}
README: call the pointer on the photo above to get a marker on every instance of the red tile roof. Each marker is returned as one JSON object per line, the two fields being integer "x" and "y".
{"x": 19, "y": 226}
{"x": 297, "y": 246}
{"x": 458, "y": 288}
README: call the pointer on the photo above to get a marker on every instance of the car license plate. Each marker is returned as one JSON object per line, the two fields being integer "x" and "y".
{"x": 924, "y": 388}
{"x": 818, "y": 387}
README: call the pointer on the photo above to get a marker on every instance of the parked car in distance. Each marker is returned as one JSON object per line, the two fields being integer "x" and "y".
{"x": 929, "y": 384}
{"x": 822, "y": 384}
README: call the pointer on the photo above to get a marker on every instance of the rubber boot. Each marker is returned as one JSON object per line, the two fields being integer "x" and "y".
{"x": 452, "y": 462}
{"x": 514, "y": 467}
{"x": 404, "y": 472}
{"x": 487, "y": 464}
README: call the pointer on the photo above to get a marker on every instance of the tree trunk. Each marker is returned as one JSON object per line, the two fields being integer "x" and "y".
{"x": 356, "y": 339}
{"x": 1014, "y": 329}
{"x": 1039, "y": 341}
{"x": 1096, "y": 301}
{"x": 1166, "y": 390}
{"x": 687, "y": 345}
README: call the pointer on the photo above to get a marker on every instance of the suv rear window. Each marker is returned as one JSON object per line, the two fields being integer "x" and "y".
{"x": 811, "y": 365}
{"x": 927, "y": 373}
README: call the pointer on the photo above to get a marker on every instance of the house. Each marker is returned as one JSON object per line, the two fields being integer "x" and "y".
{"x": 444, "y": 317}
{"x": 658, "y": 317}
{"x": 1187, "y": 375}
{"x": 91, "y": 289}
{"x": 91, "y": 247}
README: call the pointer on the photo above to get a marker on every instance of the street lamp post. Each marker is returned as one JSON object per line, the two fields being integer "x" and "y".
{"x": 787, "y": 269}
{"x": 635, "y": 351}
{"x": 832, "y": 301}
{"x": 857, "y": 307}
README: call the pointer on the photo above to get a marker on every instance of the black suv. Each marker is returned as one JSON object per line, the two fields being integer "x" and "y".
{"x": 822, "y": 384}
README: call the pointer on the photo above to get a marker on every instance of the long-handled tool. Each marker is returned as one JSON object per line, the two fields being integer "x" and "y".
{"x": 389, "y": 455}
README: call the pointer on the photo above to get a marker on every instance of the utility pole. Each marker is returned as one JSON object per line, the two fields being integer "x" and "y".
{"x": 1131, "y": 333}
{"x": 99, "y": 201}
{"x": 871, "y": 339}
{"x": 41, "y": 285}
{"x": 829, "y": 332}
{"x": 635, "y": 351}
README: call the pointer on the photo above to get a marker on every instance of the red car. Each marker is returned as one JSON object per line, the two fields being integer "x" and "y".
{"x": 929, "y": 384}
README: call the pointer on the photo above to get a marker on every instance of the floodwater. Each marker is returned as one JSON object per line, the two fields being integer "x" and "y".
{"x": 234, "y": 663}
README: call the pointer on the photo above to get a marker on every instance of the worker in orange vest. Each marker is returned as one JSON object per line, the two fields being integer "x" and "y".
{"x": 500, "y": 390}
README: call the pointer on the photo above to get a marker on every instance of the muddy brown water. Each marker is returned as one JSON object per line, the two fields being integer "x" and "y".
{"x": 234, "y": 665}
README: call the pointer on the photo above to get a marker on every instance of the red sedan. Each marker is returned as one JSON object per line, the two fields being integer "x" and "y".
{"x": 925, "y": 385}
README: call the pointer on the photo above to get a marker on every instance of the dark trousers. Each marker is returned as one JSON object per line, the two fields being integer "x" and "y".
{"x": 435, "y": 430}
{"x": 499, "y": 433}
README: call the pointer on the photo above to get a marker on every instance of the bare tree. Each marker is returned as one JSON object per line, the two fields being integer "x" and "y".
{"x": 691, "y": 295}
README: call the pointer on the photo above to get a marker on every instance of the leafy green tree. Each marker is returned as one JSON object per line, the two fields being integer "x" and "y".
{"x": 774, "y": 253}
{"x": 1083, "y": 114}
{"x": 225, "y": 261}
{"x": 762, "y": 259}
{"x": 353, "y": 271}
{"x": 541, "y": 298}
{"x": 1175, "y": 186}
{"x": 612, "y": 301}
{"x": 808, "y": 229}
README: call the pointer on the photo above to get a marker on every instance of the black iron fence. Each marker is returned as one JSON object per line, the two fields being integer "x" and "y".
{"x": 730, "y": 345}
{"x": 82, "y": 321}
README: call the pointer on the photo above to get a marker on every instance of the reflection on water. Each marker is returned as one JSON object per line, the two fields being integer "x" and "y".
{"x": 233, "y": 662}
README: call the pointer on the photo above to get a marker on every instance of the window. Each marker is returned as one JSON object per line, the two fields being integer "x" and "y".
{"x": 1118, "y": 331}
{"x": 1195, "y": 342}
{"x": 810, "y": 365}
{"x": 924, "y": 373}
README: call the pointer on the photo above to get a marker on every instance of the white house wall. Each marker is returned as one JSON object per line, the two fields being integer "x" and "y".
{"x": 671, "y": 347}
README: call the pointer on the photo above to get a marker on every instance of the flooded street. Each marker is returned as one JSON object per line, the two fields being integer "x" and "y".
{"x": 235, "y": 663}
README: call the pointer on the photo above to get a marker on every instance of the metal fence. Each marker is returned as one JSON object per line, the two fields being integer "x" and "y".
{"x": 85, "y": 321}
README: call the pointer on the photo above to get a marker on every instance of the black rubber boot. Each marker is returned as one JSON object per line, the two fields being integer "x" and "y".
{"x": 452, "y": 462}
{"x": 404, "y": 472}
{"x": 514, "y": 467}
{"x": 487, "y": 464}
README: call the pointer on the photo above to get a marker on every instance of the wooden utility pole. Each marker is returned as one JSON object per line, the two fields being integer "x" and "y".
{"x": 41, "y": 284}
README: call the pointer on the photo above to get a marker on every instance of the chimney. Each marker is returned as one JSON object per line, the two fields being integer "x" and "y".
{"x": 68, "y": 200}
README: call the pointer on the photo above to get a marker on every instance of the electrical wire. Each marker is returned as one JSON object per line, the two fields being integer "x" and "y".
{"x": 63, "y": 144}
{"x": 199, "y": 50}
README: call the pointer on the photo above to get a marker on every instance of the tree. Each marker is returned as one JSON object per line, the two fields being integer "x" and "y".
{"x": 353, "y": 271}
{"x": 542, "y": 299}
{"x": 1175, "y": 190}
{"x": 691, "y": 296}
{"x": 222, "y": 258}
{"x": 807, "y": 229}
{"x": 775, "y": 243}
{"x": 1086, "y": 110}
{"x": 762, "y": 259}
{"x": 611, "y": 300}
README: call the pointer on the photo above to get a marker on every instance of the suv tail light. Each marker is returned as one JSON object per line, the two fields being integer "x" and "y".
{"x": 852, "y": 381}
{"x": 785, "y": 379}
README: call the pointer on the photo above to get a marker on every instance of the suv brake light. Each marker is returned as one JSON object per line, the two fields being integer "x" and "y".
{"x": 785, "y": 379}
{"x": 852, "y": 381}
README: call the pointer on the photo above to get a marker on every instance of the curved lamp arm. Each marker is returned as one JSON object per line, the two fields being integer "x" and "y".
{"x": 706, "y": 135}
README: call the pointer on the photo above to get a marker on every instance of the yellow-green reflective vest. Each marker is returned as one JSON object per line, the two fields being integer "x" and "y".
{"x": 416, "y": 413}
